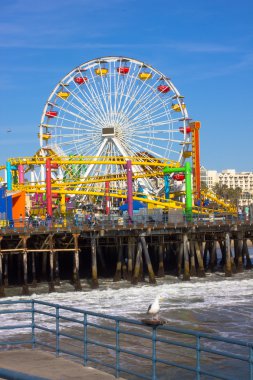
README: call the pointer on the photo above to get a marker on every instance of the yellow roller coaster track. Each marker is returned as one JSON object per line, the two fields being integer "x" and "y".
{"x": 89, "y": 160}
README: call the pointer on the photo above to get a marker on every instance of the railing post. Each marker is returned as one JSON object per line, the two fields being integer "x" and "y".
{"x": 85, "y": 339}
{"x": 198, "y": 357}
{"x": 154, "y": 353}
{"x": 57, "y": 330}
{"x": 117, "y": 349}
{"x": 33, "y": 325}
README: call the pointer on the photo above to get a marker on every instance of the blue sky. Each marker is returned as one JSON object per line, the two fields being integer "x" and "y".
{"x": 205, "y": 47}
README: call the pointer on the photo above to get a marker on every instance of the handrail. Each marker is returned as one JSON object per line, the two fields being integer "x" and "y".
{"x": 73, "y": 331}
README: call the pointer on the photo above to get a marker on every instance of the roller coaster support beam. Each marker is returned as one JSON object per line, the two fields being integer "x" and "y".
{"x": 9, "y": 168}
{"x": 195, "y": 127}
{"x": 128, "y": 168}
{"x": 49, "y": 187}
{"x": 167, "y": 186}
{"x": 188, "y": 191}
{"x": 188, "y": 186}
{"x": 21, "y": 174}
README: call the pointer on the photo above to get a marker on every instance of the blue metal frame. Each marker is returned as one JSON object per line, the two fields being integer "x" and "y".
{"x": 60, "y": 322}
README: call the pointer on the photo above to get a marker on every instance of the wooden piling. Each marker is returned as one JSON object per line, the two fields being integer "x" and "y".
{"x": 51, "y": 284}
{"x": 57, "y": 269}
{"x": 137, "y": 266}
{"x": 76, "y": 278}
{"x": 193, "y": 272}
{"x": 117, "y": 276}
{"x": 130, "y": 250}
{"x": 160, "y": 272}
{"x": 228, "y": 268}
{"x": 186, "y": 276}
{"x": 34, "y": 278}
{"x": 200, "y": 270}
{"x": 94, "y": 269}
{"x": 213, "y": 256}
{"x": 245, "y": 252}
{"x": 25, "y": 289}
{"x": 151, "y": 274}
{"x": 180, "y": 258}
{"x": 239, "y": 253}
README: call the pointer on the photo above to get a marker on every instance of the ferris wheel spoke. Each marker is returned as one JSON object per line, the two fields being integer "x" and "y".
{"x": 66, "y": 110}
{"x": 143, "y": 110}
{"x": 142, "y": 93}
{"x": 94, "y": 106}
{"x": 132, "y": 86}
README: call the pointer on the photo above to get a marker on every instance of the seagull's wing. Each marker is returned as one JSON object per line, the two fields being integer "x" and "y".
{"x": 149, "y": 308}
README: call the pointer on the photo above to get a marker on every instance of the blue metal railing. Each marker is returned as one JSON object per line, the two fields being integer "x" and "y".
{"x": 125, "y": 347}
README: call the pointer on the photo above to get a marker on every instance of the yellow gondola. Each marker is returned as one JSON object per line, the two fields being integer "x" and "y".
{"x": 187, "y": 154}
{"x": 63, "y": 94}
{"x": 101, "y": 72}
{"x": 176, "y": 107}
{"x": 45, "y": 136}
{"x": 145, "y": 76}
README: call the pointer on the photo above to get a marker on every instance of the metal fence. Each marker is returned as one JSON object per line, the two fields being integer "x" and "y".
{"x": 121, "y": 346}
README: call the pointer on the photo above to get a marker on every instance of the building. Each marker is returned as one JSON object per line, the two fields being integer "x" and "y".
{"x": 229, "y": 177}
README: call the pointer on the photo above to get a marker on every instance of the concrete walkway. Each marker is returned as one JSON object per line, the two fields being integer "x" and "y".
{"x": 47, "y": 365}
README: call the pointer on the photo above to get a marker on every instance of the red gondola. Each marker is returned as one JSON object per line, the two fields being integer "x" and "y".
{"x": 178, "y": 176}
{"x": 187, "y": 129}
{"x": 163, "y": 88}
{"x": 123, "y": 70}
{"x": 54, "y": 166}
{"x": 51, "y": 114}
{"x": 80, "y": 80}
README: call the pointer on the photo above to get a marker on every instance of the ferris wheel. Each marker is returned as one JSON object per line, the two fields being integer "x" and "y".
{"x": 115, "y": 106}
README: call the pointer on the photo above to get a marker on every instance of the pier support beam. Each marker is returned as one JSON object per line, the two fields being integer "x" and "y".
{"x": 51, "y": 287}
{"x": 228, "y": 267}
{"x": 130, "y": 251}
{"x": 213, "y": 255}
{"x": 239, "y": 253}
{"x": 57, "y": 270}
{"x": 186, "y": 276}
{"x": 94, "y": 269}
{"x": 180, "y": 258}
{"x": 193, "y": 271}
{"x": 137, "y": 267}
{"x": 117, "y": 276}
{"x": 201, "y": 270}
{"x": 245, "y": 252}
{"x": 34, "y": 279}
{"x": 25, "y": 289}
{"x": 76, "y": 278}
{"x": 151, "y": 274}
{"x": 160, "y": 272}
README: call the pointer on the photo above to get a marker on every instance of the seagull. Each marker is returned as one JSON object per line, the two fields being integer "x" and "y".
{"x": 154, "y": 307}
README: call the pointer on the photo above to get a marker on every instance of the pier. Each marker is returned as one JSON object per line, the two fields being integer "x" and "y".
{"x": 121, "y": 249}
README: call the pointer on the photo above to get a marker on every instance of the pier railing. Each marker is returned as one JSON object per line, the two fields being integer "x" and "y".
{"x": 124, "y": 347}
{"x": 172, "y": 217}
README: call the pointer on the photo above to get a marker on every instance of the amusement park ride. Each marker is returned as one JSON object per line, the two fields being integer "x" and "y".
{"x": 113, "y": 130}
